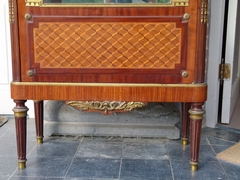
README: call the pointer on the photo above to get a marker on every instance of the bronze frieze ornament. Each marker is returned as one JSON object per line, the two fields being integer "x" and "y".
{"x": 105, "y": 106}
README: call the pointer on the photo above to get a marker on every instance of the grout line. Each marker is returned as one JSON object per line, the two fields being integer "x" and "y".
{"x": 120, "y": 168}
{"x": 170, "y": 161}
{"x": 171, "y": 168}
{"x": 4, "y": 133}
{"x": 216, "y": 158}
{"x": 74, "y": 157}
{"x": 31, "y": 150}
{"x": 223, "y": 168}
{"x": 12, "y": 174}
{"x": 206, "y": 137}
{"x": 220, "y": 139}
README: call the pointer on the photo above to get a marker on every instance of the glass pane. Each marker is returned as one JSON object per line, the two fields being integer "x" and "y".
{"x": 107, "y": 1}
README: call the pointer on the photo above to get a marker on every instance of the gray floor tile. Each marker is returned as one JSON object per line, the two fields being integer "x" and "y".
{"x": 68, "y": 178}
{"x": 217, "y": 141}
{"x": 35, "y": 178}
{"x": 182, "y": 153}
{"x": 7, "y": 165}
{"x": 110, "y": 140}
{"x": 94, "y": 168}
{"x": 221, "y": 134}
{"x": 3, "y": 131}
{"x": 145, "y": 149}
{"x": 8, "y": 147}
{"x": 57, "y": 146}
{"x": 31, "y": 131}
{"x": 206, "y": 153}
{"x": 45, "y": 167}
{"x": 218, "y": 149}
{"x": 232, "y": 170}
{"x": 204, "y": 140}
{"x": 100, "y": 158}
{"x": 207, "y": 171}
{"x": 138, "y": 169}
{"x": 179, "y": 152}
{"x": 101, "y": 148}
{"x": 4, "y": 177}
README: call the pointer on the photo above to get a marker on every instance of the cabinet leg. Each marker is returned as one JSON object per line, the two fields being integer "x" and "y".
{"x": 185, "y": 123}
{"x": 38, "y": 109}
{"x": 20, "y": 113}
{"x": 196, "y": 116}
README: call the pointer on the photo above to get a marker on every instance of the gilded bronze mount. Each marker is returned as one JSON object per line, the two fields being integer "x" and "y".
{"x": 40, "y": 3}
{"x": 105, "y": 107}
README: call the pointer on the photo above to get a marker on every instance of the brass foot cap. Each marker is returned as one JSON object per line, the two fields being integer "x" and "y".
{"x": 194, "y": 166}
{"x": 22, "y": 165}
{"x": 39, "y": 140}
{"x": 184, "y": 142}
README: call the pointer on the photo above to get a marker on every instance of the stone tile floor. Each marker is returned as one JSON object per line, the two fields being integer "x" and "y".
{"x": 115, "y": 158}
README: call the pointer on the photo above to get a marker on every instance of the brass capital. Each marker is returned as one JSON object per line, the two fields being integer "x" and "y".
{"x": 196, "y": 115}
{"x": 20, "y": 112}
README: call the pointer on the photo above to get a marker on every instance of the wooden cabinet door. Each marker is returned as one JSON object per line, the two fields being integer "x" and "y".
{"x": 111, "y": 43}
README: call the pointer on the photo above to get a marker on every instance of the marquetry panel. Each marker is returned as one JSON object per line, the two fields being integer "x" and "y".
{"x": 138, "y": 45}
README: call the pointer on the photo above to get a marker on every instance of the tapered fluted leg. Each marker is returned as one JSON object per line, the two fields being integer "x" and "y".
{"x": 185, "y": 123}
{"x": 38, "y": 109}
{"x": 196, "y": 116}
{"x": 20, "y": 113}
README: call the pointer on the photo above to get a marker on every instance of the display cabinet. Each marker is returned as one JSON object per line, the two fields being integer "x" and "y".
{"x": 109, "y": 55}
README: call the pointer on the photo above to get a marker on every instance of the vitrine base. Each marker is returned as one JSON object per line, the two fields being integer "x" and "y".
{"x": 148, "y": 93}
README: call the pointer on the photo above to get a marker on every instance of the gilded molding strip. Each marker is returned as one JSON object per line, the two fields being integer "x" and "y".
{"x": 11, "y": 11}
{"x": 34, "y": 3}
{"x": 40, "y": 3}
{"x": 107, "y": 84}
{"x": 204, "y": 12}
{"x": 180, "y": 2}
{"x": 105, "y": 106}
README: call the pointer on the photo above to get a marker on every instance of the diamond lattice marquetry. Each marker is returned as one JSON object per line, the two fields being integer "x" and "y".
{"x": 107, "y": 45}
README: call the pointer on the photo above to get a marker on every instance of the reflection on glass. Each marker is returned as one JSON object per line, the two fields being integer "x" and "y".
{"x": 106, "y": 1}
